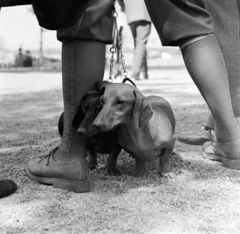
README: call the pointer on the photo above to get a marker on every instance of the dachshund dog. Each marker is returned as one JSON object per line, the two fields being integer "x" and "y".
{"x": 97, "y": 142}
{"x": 146, "y": 124}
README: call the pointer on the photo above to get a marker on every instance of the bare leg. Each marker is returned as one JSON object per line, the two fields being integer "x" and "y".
{"x": 204, "y": 61}
{"x": 210, "y": 120}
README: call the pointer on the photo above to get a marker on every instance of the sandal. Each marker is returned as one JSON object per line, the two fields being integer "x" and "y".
{"x": 227, "y": 153}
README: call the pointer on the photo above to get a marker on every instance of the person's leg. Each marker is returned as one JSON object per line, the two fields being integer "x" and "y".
{"x": 144, "y": 68}
{"x": 140, "y": 31}
{"x": 227, "y": 23}
{"x": 83, "y": 64}
{"x": 205, "y": 64}
{"x": 204, "y": 61}
{"x": 133, "y": 27}
{"x": 209, "y": 121}
{"x": 226, "y": 30}
{"x": 118, "y": 64}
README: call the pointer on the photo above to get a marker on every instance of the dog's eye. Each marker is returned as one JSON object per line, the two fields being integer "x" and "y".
{"x": 99, "y": 107}
{"x": 120, "y": 102}
{"x": 84, "y": 108}
{"x": 101, "y": 102}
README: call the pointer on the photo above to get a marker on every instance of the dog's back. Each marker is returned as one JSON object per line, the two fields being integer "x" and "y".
{"x": 163, "y": 105}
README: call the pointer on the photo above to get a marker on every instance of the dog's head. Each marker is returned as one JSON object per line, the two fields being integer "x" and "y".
{"x": 121, "y": 103}
{"x": 88, "y": 110}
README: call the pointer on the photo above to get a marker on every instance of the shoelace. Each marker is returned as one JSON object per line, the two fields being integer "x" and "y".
{"x": 48, "y": 155}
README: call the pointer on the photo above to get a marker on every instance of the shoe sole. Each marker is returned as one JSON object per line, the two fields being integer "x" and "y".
{"x": 228, "y": 163}
{"x": 70, "y": 185}
{"x": 192, "y": 143}
{"x": 213, "y": 157}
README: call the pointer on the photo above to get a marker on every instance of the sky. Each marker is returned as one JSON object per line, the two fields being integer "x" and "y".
{"x": 19, "y": 28}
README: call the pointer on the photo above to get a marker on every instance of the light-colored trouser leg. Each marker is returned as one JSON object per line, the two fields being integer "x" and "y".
{"x": 140, "y": 31}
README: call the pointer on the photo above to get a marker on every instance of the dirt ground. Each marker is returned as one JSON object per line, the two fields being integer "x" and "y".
{"x": 202, "y": 197}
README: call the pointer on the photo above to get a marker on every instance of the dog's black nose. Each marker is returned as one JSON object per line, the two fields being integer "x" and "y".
{"x": 97, "y": 124}
{"x": 96, "y": 127}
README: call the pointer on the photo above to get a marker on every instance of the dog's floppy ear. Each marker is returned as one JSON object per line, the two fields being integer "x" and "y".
{"x": 79, "y": 116}
{"x": 100, "y": 85}
{"x": 91, "y": 92}
{"x": 142, "y": 110}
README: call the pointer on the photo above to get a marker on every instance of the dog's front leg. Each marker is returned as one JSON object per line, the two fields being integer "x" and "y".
{"x": 112, "y": 161}
{"x": 139, "y": 168}
{"x": 92, "y": 157}
{"x": 164, "y": 164}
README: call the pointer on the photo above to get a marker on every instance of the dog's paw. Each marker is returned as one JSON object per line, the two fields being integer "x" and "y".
{"x": 139, "y": 173}
{"x": 92, "y": 166}
{"x": 114, "y": 171}
{"x": 139, "y": 168}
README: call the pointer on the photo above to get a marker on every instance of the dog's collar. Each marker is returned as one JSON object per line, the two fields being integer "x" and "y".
{"x": 128, "y": 79}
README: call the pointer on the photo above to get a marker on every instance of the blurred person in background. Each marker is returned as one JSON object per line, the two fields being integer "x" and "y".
{"x": 19, "y": 59}
{"x": 139, "y": 22}
{"x": 28, "y": 59}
